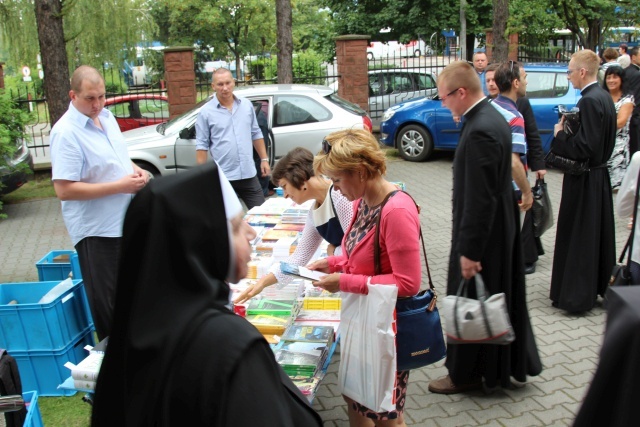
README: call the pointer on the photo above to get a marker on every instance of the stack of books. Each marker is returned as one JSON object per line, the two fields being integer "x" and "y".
{"x": 299, "y": 358}
{"x": 295, "y": 215}
{"x": 270, "y": 325}
{"x": 274, "y": 306}
{"x": 308, "y": 385}
{"x": 85, "y": 373}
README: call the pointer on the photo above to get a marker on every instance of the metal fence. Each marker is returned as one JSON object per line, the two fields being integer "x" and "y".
{"x": 396, "y": 76}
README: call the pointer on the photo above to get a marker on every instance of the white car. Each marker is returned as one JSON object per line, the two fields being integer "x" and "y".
{"x": 297, "y": 116}
{"x": 393, "y": 49}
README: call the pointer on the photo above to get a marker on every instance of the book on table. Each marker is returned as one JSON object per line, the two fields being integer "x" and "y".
{"x": 300, "y": 271}
{"x": 274, "y": 306}
{"x": 301, "y": 358}
{"x": 309, "y": 333}
{"x": 88, "y": 368}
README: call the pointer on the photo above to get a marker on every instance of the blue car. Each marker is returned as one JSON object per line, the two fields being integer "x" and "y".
{"x": 419, "y": 126}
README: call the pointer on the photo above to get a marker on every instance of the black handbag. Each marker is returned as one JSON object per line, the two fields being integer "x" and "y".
{"x": 620, "y": 275}
{"x": 570, "y": 166}
{"x": 541, "y": 211}
{"x": 419, "y": 337}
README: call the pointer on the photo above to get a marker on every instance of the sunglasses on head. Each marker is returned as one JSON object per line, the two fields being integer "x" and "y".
{"x": 326, "y": 147}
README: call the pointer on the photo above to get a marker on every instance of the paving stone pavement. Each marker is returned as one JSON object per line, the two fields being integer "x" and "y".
{"x": 568, "y": 344}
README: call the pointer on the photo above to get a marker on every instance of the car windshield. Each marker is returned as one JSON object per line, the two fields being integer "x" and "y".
{"x": 178, "y": 123}
{"x": 346, "y": 104}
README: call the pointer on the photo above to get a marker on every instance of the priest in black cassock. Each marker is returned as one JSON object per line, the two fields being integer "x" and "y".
{"x": 486, "y": 236}
{"x": 585, "y": 239}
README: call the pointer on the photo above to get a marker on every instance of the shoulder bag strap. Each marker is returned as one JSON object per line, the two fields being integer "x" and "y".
{"x": 376, "y": 241}
{"x": 333, "y": 207}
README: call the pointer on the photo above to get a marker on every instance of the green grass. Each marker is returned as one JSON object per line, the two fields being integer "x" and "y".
{"x": 69, "y": 411}
{"x": 39, "y": 186}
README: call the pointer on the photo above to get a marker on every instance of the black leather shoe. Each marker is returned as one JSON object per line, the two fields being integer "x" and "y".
{"x": 530, "y": 268}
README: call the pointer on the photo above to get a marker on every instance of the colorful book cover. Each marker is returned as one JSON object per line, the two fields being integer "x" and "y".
{"x": 301, "y": 357}
{"x": 272, "y": 306}
{"x": 273, "y": 234}
{"x": 309, "y": 333}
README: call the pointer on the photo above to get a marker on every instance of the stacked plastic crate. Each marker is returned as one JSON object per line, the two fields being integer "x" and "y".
{"x": 42, "y": 335}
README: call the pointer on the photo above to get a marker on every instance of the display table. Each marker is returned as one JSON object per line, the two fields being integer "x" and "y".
{"x": 615, "y": 389}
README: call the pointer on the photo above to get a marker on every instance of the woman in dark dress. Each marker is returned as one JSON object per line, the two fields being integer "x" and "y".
{"x": 177, "y": 355}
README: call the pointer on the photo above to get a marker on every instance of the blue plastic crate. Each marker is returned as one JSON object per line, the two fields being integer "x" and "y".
{"x": 28, "y": 325}
{"x": 75, "y": 266}
{"x": 44, "y": 370}
{"x": 34, "y": 418}
{"x": 49, "y": 270}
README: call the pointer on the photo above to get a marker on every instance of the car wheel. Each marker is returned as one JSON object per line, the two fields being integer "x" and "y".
{"x": 155, "y": 173}
{"x": 370, "y": 56}
{"x": 414, "y": 143}
{"x": 416, "y": 54}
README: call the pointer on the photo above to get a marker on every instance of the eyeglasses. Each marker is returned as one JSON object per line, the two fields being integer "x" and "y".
{"x": 444, "y": 98}
{"x": 569, "y": 71}
{"x": 326, "y": 147}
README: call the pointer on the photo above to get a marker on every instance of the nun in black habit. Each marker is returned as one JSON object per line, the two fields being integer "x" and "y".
{"x": 177, "y": 355}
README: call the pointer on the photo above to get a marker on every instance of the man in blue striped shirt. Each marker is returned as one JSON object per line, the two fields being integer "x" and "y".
{"x": 227, "y": 127}
{"x": 512, "y": 82}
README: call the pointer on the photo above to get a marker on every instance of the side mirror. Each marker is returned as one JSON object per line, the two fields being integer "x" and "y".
{"x": 187, "y": 133}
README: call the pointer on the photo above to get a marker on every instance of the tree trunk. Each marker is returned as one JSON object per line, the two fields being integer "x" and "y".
{"x": 463, "y": 31}
{"x": 54, "y": 57}
{"x": 500, "y": 42}
{"x": 285, "y": 41}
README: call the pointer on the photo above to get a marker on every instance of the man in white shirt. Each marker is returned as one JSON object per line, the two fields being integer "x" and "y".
{"x": 95, "y": 180}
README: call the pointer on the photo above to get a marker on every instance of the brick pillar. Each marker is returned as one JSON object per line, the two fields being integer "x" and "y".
{"x": 1, "y": 75}
{"x": 513, "y": 45}
{"x": 351, "y": 55}
{"x": 180, "y": 79}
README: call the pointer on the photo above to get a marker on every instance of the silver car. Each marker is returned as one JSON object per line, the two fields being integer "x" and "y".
{"x": 388, "y": 87}
{"x": 297, "y": 116}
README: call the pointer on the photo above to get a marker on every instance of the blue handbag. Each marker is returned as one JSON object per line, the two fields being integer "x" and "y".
{"x": 419, "y": 337}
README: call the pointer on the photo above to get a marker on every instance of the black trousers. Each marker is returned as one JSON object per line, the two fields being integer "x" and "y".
{"x": 531, "y": 245}
{"x": 99, "y": 259}
{"x": 249, "y": 190}
{"x": 634, "y": 133}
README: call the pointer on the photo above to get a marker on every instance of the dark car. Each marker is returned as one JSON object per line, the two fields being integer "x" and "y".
{"x": 17, "y": 169}
{"x": 419, "y": 126}
{"x": 139, "y": 109}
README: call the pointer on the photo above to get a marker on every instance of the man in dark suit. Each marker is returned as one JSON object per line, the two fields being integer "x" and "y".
{"x": 486, "y": 237}
{"x": 585, "y": 240}
{"x": 632, "y": 83}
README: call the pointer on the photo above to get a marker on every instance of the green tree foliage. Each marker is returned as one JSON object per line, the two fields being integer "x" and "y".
{"x": 94, "y": 32}
{"x": 406, "y": 19}
{"x": 224, "y": 25}
{"x": 313, "y": 29}
{"x": 12, "y": 123}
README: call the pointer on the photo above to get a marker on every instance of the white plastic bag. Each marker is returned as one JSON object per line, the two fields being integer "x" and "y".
{"x": 367, "y": 372}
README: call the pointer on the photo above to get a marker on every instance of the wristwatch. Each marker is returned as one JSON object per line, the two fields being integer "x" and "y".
{"x": 264, "y": 160}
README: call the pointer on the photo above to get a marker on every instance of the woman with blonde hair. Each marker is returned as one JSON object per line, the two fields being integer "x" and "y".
{"x": 353, "y": 160}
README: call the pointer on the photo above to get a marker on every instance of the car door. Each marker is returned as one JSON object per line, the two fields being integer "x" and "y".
{"x": 445, "y": 130}
{"x": 299, "y": 121}
{"x": 263, "y": 106}
{"x": 376, "y": 97}
{"x": 546, "y": 90}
